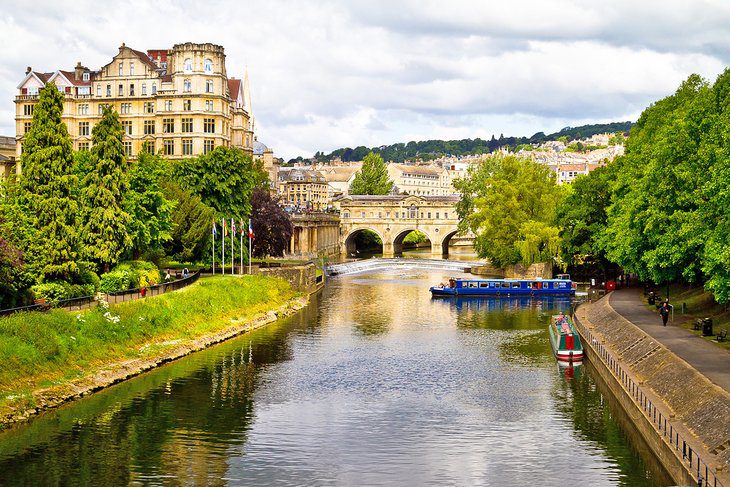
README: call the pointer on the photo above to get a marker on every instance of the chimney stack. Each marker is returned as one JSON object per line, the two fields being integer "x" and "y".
{"x": 28, "y": 70}
{"x": 78, "y": 71}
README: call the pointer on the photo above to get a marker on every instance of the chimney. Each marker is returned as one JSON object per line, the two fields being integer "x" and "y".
{"x": 28, "y": 70}
{"x": 78, "y": 71}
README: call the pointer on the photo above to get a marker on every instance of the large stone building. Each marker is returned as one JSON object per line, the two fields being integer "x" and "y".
{"x": 179, "y": 102}
{"x": 7, "y": 155}
{"x": 303, "y": 189}
{"x": 421, "y": 180}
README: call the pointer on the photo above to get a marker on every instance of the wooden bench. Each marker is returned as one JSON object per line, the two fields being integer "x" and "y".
{"x": 722, "y": 336}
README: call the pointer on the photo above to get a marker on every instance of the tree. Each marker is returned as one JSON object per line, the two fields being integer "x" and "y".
{"x": 150, "y": 223}
{"x": 372, "y": 178}
{"x": 509, "y": 203}
{"x": 223, "y": 179}
{"x": 104, "y": 232}
{"x": 270, "y": 224}
{"x": 14, "y": 279}
{"x": 191, "y": 224}
{"x": 48, "y": 183}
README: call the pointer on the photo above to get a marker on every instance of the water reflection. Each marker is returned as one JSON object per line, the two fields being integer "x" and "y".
{"x": 375, "y": 383}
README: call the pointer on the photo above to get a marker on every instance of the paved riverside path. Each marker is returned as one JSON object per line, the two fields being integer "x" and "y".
{"x": 708, "y": 359}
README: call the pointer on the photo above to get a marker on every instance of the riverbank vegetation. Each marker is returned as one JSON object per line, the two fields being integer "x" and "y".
{"x": 661, "y": 211}
{"x": 40, "y": 350}
{"x": 74, "y": 219}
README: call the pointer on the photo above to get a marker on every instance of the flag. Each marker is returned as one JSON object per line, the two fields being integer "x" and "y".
{"x": 250, "y": 230}
{"x": 225, "y": 228}
{"x": 215, "y": 231}
{"x": 233, "y": 227}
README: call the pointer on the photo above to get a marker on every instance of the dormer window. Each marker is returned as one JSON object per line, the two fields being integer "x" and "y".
{"x": 188, "y": 65}
{"x": 131, "y": 68}
{"x": 121, "y": 68}
{"x": 208, "y": 66}
{"x": 85, "y": 77}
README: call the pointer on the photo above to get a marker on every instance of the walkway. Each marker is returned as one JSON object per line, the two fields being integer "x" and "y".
{"x": 708, "y": 359}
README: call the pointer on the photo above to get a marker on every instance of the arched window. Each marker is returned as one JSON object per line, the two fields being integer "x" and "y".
{"x": 346, "y": 214}
{"x": 187, "y": 86}
{"x": 413, "y": 212}
{"x": 188, "y": 65}
{"x": 154, "y": 88}
{"x": 208, "y": 66}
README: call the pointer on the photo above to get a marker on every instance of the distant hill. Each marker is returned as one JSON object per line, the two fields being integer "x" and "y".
{"x": 432, "y": 149}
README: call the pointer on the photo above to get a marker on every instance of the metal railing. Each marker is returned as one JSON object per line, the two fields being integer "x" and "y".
{"x": 705, "y": 475}
{"x": 84, "y": 302}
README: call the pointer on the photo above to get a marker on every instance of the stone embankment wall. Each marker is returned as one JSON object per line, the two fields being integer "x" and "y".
{"x": 694, "y": 406}
{"x": 303, "y": 278}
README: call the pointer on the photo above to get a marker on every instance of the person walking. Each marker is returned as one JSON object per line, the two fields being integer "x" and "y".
{"x": 664, "y": 312}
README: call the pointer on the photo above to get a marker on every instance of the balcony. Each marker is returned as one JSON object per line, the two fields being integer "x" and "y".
{"x": 26, "y": 97}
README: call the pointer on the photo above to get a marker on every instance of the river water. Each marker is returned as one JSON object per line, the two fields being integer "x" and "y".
{"x": 374, "y": 383}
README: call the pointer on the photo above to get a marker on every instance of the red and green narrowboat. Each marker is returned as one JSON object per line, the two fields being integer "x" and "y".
{"x": 565, "y": 339}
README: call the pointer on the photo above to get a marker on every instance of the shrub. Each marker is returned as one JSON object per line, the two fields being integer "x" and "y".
{"x": 130, "y": 275}
{"x": 52, "y": 292}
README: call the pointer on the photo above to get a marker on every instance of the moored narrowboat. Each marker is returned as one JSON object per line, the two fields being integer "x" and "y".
{"x": 565, "y": 339}
{"x": 562, "y": 286}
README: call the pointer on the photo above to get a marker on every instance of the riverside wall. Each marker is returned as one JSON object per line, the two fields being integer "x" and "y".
{"x": 672, "y": 406}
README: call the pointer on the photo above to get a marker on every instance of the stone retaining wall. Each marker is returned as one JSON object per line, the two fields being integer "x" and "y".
{"x": 687, "y": 397}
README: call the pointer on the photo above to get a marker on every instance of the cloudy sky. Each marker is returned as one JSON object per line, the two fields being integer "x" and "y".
{"x": 329, "y": 74}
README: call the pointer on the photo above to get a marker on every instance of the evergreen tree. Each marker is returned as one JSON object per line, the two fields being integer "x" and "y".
{"x": 104, "y": 233}
{"x": 48, "y": 183}
{"x": 372, "y": 178}
{"x": 150, "y": 212}
{"x": 191, "y": 224}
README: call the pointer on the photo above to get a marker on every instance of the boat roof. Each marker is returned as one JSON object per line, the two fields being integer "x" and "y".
{"x": 501, "y": 279}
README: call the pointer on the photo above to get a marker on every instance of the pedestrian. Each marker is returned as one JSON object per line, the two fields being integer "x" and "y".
{"x": 185, "y": 273}
{"x": 664, "y": 312}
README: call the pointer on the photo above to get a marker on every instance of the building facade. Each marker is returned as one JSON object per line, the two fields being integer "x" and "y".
{"x": 7, "y": 155}
{"x": 178, "y": 102}
{"x": 421, "y": 180}
{"x": 303, "y": 189}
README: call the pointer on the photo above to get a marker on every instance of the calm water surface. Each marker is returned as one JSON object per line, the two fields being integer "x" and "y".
{"x": 374, "y": 383}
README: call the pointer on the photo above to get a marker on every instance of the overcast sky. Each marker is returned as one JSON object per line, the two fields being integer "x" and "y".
{"x": 328, "y": 74}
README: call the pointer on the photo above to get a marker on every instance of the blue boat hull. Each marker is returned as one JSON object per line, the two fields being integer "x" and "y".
{"x": 449, "y": 292}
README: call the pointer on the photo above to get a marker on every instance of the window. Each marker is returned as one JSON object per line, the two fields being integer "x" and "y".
{"x": 83, "y": 146}
{"x": 127, "y": 148}
{"x": 83, "y": 128}
{"x": 108, "y": 90}
{"x": 131, "y": 68}
{"x": 83, "y": 109}
{"x": 28, "y": 109}
{"x": 144, "y": 88}
{"x": 187, "y": 87}
{"x": 149, "y": 127}
{"x": 85, "y": 77}
{"x": 208, "y": 145}
{"x": 149, "y": 107}
{"x": 102, "y": 106}
{"x": 446, "y": 215}
{"x": 126, "y": 108}
{"x": 187, "y": 105}
{"x": 483, "y": 284}
{"x": 168, "y": 147}
{"x": 98, "y": 90}
{"x": 168, "y": 105}
{"x": 188, "y": 65}
{"x": 149, "y": 146}
{"x": 26, "y": 127}
{"x": 187, "y": 125}
{"x": 429, "y": 214}
{"x": 168, "y": 125}
{"x": 346, "y": 214}
{"x": 209, "y": 125}
{"x": 208, "y": 105}
{"x": 209, "y": 86}
{"x": 154, "y": 88}
{"x": 187, "y": 147}
{"x": 131, "y": 90}
{"x": 208, "y": 66}
{"x": 121, "y": 68}
{"x": 121, "y": 90}
{"x": 127, "y": 127}
{"x": 413, "y": 212}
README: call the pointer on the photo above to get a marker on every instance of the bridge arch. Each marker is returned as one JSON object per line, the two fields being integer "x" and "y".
{"x": 445, "y": 242}
{"x": 402, "y": 234}
{"x": 350, "y": 241}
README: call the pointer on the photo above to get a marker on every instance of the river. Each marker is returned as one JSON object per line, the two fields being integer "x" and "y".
{"x": 374, "y": 383}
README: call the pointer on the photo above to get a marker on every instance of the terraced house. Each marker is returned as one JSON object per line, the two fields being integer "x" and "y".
{"x": 179, "y": 102}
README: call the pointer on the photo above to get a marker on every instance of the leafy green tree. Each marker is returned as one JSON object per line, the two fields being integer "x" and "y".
{"x": 509, "y": 203}
{"x": 271, "y": 225}
{"x": 372, "y": 178}
{"x": 104, "y": 232}
{"x": 150, "y": 223}
{"x": 48, "y": 182}
{"x": 223, "y": 179}
{"x": 191, "y": 225}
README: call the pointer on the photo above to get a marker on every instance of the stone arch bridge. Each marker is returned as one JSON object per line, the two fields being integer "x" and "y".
{"x": 393, "y": 217}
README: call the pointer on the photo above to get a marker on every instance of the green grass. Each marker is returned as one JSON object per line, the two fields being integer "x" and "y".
{"x": 43, "y": 349}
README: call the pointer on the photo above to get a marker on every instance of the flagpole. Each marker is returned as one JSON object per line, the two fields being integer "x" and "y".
{"x": 233, "y": 240}
{"x": 213, "y": 248}
{"x": 240, "y": 270}
{"x": 223, "y": 248}
{"x": 250, "y": 255}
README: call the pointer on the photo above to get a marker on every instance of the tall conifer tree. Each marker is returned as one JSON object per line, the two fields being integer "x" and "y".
{"x": 104, "y": 233}
{"x": 48, "y": 182}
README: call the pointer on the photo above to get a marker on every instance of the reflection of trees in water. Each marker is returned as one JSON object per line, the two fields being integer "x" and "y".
{"x": 183, "y": 425}
{"x": 505, "y": 313}
{"x": 527, "y": 348}
{"x": 598, "y": 420}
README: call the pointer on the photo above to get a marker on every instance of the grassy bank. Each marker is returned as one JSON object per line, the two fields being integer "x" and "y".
{"x": 39, "y": 350}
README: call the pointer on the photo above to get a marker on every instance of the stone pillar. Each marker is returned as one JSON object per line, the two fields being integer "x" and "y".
{"x": 437, "y": 250}
{"x": 388, "y": 249}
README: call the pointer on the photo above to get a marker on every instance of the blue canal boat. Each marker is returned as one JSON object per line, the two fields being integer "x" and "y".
{"x": 562, "y": 286}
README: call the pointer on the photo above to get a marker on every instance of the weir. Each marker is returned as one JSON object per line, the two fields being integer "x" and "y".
{"x": 392, "y": 263}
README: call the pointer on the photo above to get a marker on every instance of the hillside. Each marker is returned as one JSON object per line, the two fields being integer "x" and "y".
{"x": 432, "y": 149}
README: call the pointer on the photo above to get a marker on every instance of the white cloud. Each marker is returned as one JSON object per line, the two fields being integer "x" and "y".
{"x": 327, "y": 74}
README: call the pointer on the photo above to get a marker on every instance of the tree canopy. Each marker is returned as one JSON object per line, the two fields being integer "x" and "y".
{"x": 271, "y": 225}
{"x": 372, "y": 178}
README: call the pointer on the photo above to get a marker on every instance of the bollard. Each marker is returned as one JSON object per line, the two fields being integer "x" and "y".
{"x": 684, "y": 308}
{"x": 699, "y": 481}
